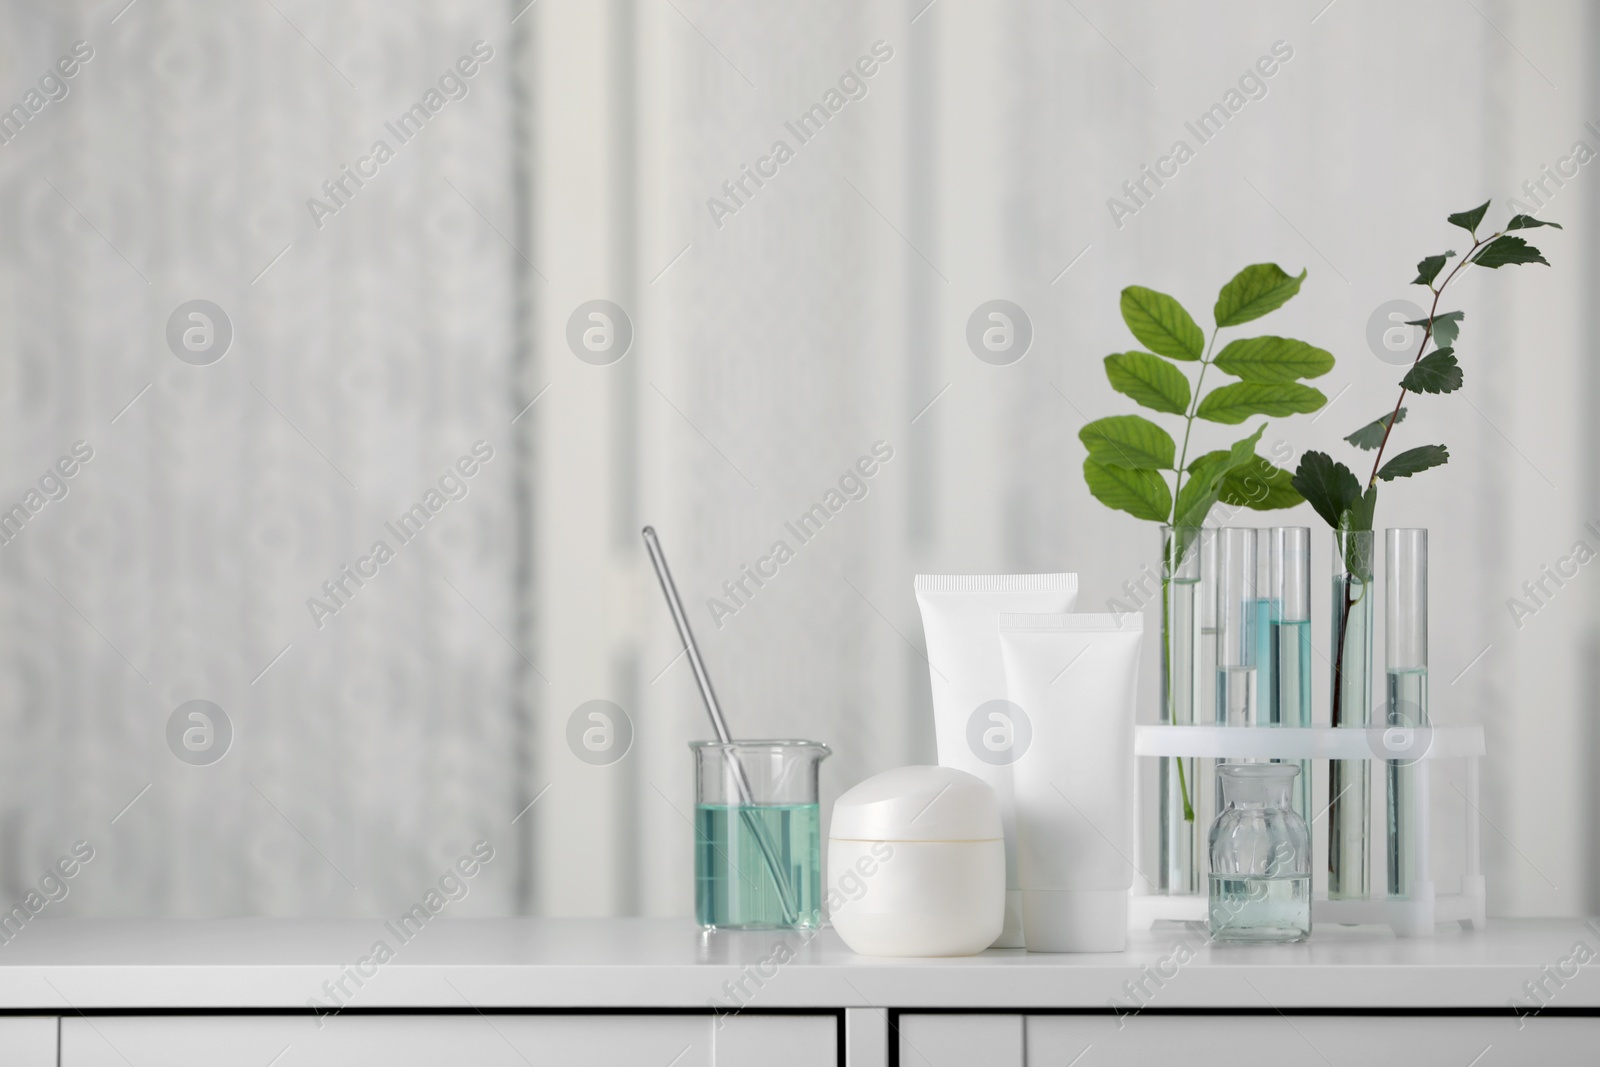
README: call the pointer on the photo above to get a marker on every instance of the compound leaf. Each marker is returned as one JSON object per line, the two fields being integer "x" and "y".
{"x": 1254, "y": 291}
{"x": 1130, "y": 441}
{"x": 1150, "y": 381}
{"x": 1142, "y": 494}
{"x": 1232, "y": 404}
{"x": 1273, "y": 360}
{"x": 1161, "y": 324}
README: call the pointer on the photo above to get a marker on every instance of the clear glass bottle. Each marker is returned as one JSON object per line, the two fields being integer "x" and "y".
{"x": 1350, "y": 678}
{"x": 1179, "y": 831}
{"x": 1260, "y": 857}
{"x": 1405, "y": 662}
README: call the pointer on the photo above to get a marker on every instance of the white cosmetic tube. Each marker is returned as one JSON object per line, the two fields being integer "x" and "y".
{"x": 973, "y": 725}
{"x": 1074, "y": 676}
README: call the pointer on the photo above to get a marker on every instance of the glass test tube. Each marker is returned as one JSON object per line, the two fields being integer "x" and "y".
{"x": 1288, "y": 620}
{"x": 1181, "y": 689}
{"x": 1350, "y": 679}
{"x": 1405, "y": 614}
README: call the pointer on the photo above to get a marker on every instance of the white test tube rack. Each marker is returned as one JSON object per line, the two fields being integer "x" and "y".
{"x": 1413, "y": 916}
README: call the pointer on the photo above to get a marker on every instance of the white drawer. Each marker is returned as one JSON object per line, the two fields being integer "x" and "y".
{"x": 1229, "y": 1040}
{"x": 962, "y": 1040}
{"x": 428, "y": 1040}
{"x": 28, "y": 1041}
{"x": 1342, "y": 1041}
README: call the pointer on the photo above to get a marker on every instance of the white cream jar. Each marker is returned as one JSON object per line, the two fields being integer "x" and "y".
{"x": 917, "y": 864}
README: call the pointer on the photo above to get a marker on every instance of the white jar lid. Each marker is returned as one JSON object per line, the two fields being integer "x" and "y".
{"x": 918, "y": 804}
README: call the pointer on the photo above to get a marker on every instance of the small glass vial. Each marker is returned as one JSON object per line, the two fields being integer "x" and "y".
{"x": 1260, "y": 857}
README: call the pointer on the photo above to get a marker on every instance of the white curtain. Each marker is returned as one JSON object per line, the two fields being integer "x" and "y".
{"x": 778, "y": 333}
{"x": 367, "y": 356}
{"x": 776, "y": 341}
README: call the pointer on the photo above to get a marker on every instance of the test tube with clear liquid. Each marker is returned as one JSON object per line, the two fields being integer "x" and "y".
{"x": 1208, "y": 711}
{"x": 1350, "y": 681}
{"x": 1287, "y": 617}
{"x": 1182, "y": 691}
{"x": 1405, "y": 639}
{"x": 1238, "y": 638}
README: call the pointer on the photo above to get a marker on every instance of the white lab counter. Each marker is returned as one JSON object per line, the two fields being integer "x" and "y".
{"x": 596, "y": 991}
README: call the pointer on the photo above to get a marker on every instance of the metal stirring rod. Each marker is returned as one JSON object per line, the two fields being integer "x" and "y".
{"x": 658, "y": 559}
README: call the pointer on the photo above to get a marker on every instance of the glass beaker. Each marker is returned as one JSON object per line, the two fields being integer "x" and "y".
{"x": 1260, "y": 857}
{"x": 758, "y": 834}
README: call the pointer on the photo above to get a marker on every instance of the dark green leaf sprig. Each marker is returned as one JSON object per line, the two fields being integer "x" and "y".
{"x": 1332, "y": 488}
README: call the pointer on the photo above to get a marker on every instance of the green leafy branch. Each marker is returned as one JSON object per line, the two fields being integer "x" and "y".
{"x": 1131, "y": 457}
{"x": 1332, "y": 488}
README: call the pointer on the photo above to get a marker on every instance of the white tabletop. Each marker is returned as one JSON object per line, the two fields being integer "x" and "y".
{"x": 58, "y": 965}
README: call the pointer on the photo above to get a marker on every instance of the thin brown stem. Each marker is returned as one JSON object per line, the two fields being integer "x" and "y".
{"x": 1427, "y": 332}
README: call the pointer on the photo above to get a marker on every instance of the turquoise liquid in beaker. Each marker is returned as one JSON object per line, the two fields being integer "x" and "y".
{"x": 733, "y": 880}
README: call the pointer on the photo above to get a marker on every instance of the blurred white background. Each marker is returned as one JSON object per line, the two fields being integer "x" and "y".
{"x": 373, "y": 346}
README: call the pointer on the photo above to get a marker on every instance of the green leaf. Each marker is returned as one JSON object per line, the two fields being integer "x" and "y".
{"x": 1161, "y": 324}
{"x": 1259, "y": 486}
{"x": 1528, "y": 222}
{"x": 1200, "y": 491}
{"x": 1273, "y": 360}
{"x": 1370, "y": 436}
{"x": 1254, "y": 291}
{"x": 1243, "y": 450}
{"x": 1149, "y": 380}
{"x": 1414, "y": 461}
{"x": 1232, "y": 404}
{"x": 1206, "y": 477}
{"x": 1328, "y": 486}
{"x": 1131, "y": 441}
{"x": 1209, "y": 467}
{"x": 1468, "y": 220}
{"x": 1436, "y": 372}
{"x": 1209, "y": 474}
{"x": 1508, "y": 250}
{"x": 1446, "y": 328}
{"x": 1142, "y": 494}
{"x": 1429, "y": 269}
{"x": 1358, "y": 516}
